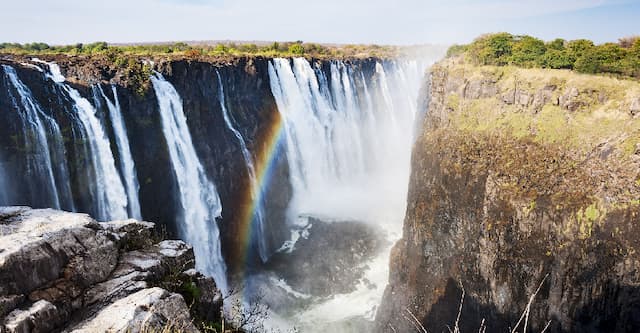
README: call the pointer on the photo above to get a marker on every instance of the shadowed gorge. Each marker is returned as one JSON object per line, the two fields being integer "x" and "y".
{"x": 258, "y": 163}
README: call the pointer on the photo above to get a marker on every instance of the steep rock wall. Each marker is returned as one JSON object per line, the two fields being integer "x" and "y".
{"x": 248, "y": 99}
{"x": 521, "y": 180}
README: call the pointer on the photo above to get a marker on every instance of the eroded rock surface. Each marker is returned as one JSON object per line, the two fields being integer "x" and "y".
{"x": 535, "y": 186}
{"x": 64, "y": 271}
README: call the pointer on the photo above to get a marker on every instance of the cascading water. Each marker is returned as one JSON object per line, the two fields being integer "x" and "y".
{"x": 346, "y": 142}
{"x": 43, "y": 139}
{"x": 127, "y": 166}
{"x": 258, "y": 218}
{"x": 111, "y": 198}
{"x": 348, "y": 145}
{"x": 198, "y": 196}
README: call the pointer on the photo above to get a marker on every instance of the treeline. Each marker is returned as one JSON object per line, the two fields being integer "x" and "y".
{"x": 622, "y": 58}
{"x": 297, "y": 48}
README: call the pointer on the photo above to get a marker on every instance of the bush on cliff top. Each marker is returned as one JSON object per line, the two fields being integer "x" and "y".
{"x": 622, "y": 58}
{"x": 275, "y": 49}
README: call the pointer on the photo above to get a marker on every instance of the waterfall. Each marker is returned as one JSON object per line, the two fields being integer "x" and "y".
{"x": 348, "y": 134}
{"x": 111, "y": 198}
{"x": 258, "y": 218}
{"x": 198, "y": 196}
{"x": 44, "y": 143}
{"x": 348, "y": 138}
{"x": 127, "y": 166}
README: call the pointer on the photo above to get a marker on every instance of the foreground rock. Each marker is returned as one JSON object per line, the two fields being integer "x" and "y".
{"x": 524, "y": 182}
{"x": 66, "y": 272}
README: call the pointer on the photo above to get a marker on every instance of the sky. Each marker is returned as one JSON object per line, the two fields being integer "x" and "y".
{"x": 397, "y": 22}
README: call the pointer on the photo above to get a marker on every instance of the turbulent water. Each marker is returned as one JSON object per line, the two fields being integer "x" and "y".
{"x": 198, "y": 196}
{"x": 348, "y": 144}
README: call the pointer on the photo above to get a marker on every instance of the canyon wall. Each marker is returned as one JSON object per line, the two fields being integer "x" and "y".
{"x": 524, "y": 182}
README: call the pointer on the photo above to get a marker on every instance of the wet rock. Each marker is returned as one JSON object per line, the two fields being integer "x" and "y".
{"x": 344, "y": 247}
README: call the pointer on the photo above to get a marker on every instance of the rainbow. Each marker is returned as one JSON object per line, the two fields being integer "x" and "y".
{"x": 270, "y": 137}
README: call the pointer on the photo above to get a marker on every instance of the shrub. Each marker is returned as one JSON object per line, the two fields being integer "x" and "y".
{"x": 492, "y": 49}
{"x": 296, "y": 49}
{"x": 527, "y": 51}
{"x": 455, "y": 50}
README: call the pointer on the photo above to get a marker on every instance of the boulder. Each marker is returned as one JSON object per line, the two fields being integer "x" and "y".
{"x": 65, "y": 271}
{"x": 40, "y": 246}
{"x": 152, "y": 309}
{"x": 635, "y": 107}
{"x": 41, "y": 316}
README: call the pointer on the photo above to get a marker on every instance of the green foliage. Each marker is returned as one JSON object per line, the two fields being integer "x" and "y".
{"x": 622, "y": 59}
{"x": 556, "y": 44}
{"x": 557, "y": 59}
{"x": 118, "y": 53}
{"x": 528, "y": 51}
{"x": 456, "y": 49}
{"x": 492, "y": 49}
{"x": 296, "y": 49}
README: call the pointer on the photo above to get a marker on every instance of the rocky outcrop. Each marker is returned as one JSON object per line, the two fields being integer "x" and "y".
{"x": 66, "y": 272}
{"x": 524, "y": 183}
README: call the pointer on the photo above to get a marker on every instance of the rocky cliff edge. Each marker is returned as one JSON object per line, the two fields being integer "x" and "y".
{"x": 524, "y": 205}
{"x": 65, "y": 272}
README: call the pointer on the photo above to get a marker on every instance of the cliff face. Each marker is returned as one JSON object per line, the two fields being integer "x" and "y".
{"x": 248, "y": 99}
{"x": 522, "y": 181}
{"x": 65, "y": 272}
{"x": 250, "y": 103}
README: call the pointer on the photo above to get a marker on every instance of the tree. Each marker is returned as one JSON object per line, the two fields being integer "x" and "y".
{"x": 494, "y": 49}
{"x": 528, "y": 52}
{"x": 556, "y": 44}
{"x": 557, "y": 59}
{"x": 603, "y": 58}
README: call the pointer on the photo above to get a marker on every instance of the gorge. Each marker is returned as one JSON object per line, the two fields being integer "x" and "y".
{"x": 416, "y": 193}
{"x": 247, "y": 159}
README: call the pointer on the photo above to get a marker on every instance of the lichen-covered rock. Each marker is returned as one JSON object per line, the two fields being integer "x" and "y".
{"x": 40, "y": 317}
{"x": 60, "y": 269}
{"x": 148, "y": 310}
{"x": 38, "y": 247}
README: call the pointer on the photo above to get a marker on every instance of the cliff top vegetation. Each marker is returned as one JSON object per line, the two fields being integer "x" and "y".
{"x": 618, "y": 59}
{"x": 203, "y": 49}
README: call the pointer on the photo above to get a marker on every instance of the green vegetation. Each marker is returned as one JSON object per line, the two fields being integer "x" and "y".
{"x": 275, "y": 49}
{"x": 620, "y": 59}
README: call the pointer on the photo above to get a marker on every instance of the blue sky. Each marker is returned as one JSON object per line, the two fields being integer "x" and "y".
{"x": 338, "y": 21}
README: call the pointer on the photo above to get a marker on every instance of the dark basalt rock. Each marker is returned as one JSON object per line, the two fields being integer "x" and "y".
{"x": 500, "y": 216}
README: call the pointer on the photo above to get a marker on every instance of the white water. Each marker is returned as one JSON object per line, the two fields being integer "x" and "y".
{"x": 198, "y": 196}
{"x": 48, "y": 145}
{"x": 348, "y": 144}
{"x": 111, "y": 198}
{"x": 39, "y": 164}
{"x": 349, "y": 149}
{"x": 258, "y": 217}
{"x": 127, "y": 166}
